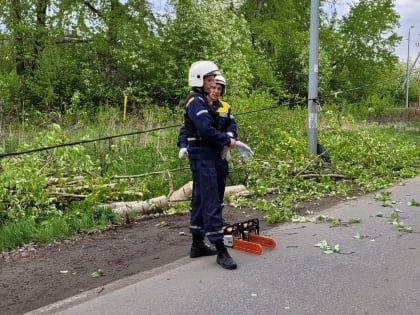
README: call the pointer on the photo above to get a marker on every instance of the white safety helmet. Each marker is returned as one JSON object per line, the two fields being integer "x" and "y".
{"x": 221, "y": 80}
{"x": 199, "y": 70}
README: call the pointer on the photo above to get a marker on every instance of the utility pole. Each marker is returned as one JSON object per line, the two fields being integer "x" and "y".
{"x": 407, "y": 74}
{"x": 313, "y": 78}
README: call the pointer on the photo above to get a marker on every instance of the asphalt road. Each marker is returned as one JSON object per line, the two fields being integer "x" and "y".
{"x": 377, "y": 274}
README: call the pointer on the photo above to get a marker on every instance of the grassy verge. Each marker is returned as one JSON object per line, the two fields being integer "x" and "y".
{"x": 14, "y": 234}
{"x": 146, "y": 164}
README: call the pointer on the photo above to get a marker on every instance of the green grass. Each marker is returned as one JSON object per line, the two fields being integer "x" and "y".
{"x": 403, "y": 131}
{"x": 18, "y": 233}
{"x": 282, "y": 164}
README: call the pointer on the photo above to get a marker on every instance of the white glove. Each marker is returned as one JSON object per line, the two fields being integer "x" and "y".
{"x": 183, "y": 153}
{"x": 245, "y": 151}
{"x": 225, "y": 155}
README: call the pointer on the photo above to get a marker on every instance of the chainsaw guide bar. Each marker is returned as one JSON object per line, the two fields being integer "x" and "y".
{"x": 245, "y": 236}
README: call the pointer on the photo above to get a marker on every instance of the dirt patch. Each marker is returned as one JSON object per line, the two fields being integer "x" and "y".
{"x": 38, "y": 275}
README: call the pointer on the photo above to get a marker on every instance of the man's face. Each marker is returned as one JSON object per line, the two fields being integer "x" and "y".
{"x": 215, "y": 91}
{"x": 208, "y": 82}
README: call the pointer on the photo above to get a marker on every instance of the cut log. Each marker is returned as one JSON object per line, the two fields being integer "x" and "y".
{"x": 185, "y": 192}
{"x": 155, "y": 205}
{"x": 232, "y": 190}
{"x": 182, "y": 194}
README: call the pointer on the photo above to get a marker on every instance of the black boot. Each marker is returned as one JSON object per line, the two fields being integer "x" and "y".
{"x": 199, "y": 248}
{"x": 223, "y": 257}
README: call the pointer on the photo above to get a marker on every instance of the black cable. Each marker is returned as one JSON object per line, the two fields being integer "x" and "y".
{"x": 316, "y": 100}
{"x": 2, "y": 155}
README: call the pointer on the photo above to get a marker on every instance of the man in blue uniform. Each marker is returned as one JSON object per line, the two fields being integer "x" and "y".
{"x": 205, "y": 143}
{"x": 226, "y": 124}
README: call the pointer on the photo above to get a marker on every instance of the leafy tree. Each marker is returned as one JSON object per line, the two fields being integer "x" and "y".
{"x": 196, "y": 30}
{"x": 280, "y": 30}
{"x": 80, "y": 49}
{"x": 61, "y": 55}
{"x": 363, "y": 49}
{"x": 116, "y": 36}
{"x": 26, "y": 23}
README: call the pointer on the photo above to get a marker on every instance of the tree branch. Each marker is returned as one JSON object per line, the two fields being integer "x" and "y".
{"x": 92, "y": 8}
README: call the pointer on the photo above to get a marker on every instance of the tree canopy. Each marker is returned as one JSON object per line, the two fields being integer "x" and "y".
{"x": 65, "y": 54}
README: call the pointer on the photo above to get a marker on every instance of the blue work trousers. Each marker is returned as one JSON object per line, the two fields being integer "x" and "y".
{"x": 206, "y": 211}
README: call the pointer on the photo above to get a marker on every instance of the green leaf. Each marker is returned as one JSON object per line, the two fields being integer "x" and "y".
{"x": 355, "y": 220}
{"x": 162, "y": 224}
{"x": 359, "y": 236}
{"x": 299, "y": 219}
{"x": 327, "y": 249}
{"x": 97, "y": 273}
{"x": 414, "y": 203}
{"x": 403, "y": 228}
{"x": 383, "y": 196}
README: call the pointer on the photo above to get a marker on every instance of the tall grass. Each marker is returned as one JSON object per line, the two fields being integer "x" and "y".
{"x": 14, "y": 234}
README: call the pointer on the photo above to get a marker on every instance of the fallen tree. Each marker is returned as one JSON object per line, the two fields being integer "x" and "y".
{"x": 162, "y": 203}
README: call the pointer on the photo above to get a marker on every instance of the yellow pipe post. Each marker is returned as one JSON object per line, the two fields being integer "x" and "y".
{"x": 125, "y": 107}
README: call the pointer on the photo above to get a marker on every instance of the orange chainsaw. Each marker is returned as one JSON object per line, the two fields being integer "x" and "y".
{"x": 245, "y": 236}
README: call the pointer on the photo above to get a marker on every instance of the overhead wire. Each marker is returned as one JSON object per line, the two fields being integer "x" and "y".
{"x": 289, "y": 104}
{"x": 60, "y": 145}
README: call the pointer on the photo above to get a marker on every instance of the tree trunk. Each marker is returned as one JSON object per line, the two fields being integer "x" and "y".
{"x": 41, "y": 32}
{"x": 16, "y": 11}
